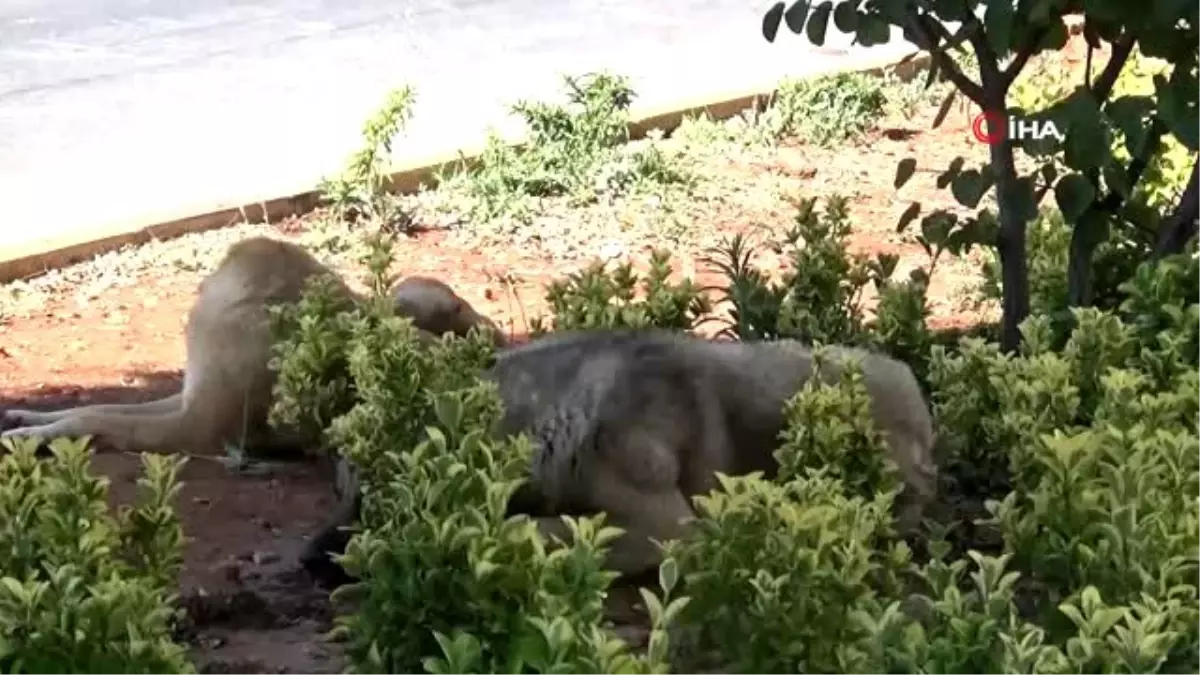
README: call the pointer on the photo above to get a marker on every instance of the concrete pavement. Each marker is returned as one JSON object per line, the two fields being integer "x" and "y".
{"x": 111, "y": 111}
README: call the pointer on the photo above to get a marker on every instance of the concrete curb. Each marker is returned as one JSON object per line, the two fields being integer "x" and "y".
{"x": 30, "y": 259}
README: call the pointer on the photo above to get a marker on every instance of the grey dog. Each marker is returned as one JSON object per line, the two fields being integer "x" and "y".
{"x": 634, "y": 423}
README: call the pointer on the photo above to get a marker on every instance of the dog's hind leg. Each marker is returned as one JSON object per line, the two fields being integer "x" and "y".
{"x": 33, "y": 418}
{"x": 647, "y": 518}
{"x": 206, "y": 418}
{"x": 637, "y": 549}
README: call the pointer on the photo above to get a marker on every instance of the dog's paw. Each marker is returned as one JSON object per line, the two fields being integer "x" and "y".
{"x": 12, "y": 419}
{"x": 22, "y": 431}
{"x": 16, "y": 435}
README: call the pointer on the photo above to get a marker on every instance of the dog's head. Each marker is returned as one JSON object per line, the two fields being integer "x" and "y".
{"x": 434, "y": 307}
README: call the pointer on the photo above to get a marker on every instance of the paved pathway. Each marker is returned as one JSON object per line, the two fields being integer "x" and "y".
{"x": 113, "y": 110}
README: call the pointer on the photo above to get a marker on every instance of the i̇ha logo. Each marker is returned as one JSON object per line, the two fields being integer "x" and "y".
{"x": 993, "y": 127}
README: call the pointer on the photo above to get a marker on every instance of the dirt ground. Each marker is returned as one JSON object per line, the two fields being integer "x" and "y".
{"x": 109, "y": 330}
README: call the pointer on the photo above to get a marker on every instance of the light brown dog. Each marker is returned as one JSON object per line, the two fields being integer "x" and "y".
{"x": 227, "y": 384}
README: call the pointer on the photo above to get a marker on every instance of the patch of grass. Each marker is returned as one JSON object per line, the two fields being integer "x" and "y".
{"x": 904, "y": 98}
{"x": 822, "y": 111}
{"x": 576, "y": 151}
{"x": 827, "y": 110}
{"x": 361, "y": 189}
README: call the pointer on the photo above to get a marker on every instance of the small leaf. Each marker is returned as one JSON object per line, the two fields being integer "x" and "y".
{"x": 674, "y": 609}
{"x": 1054, "y": 37}
{"x": 872, "y": 31}
{"x": 944, "y": 108}
{"x": 795, "y": 16}
{"x": 653, "y": 605}
{"x": 936, "y": 226}
{"x": 1128, "y": 114}
{"x": 818, "y": 23}
{"x": 931, "y": 74}
{"x": 998, "y": 19}
{"x": 910, "y": 214}
{"x": 944, "y": 179}
{"x": 771, "y": 21}
{"x": 1104, "y": 618}
{"x": 845, "y": 16}
{"x": 904, "y": 171}
{"x": 1177, "y": 107}
{"x": 668, "y": 574}
{"x": 1087, "y": 144}
{"x": 967, "y": 188}
{"x": 1074, "y": 193}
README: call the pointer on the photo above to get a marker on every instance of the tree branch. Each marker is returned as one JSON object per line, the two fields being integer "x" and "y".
{"x": 1016, "y": 65}
{"x": 1022, "y": 56}
{"x": 1137, "y": 166}
{"x": 941, "y": 59}
{"x": 1122, "y": 48}
{"x": 978, "y": 39}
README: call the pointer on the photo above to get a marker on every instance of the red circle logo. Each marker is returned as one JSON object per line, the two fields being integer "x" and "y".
{"x": 989, "y": 127}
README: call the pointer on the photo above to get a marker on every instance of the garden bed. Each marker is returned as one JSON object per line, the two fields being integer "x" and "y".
{"x": 110, "y": 330}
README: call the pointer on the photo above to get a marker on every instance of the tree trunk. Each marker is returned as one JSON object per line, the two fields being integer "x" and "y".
{"x": 1010, "y": 244}
{"x": 1180, "y": 226}
{"x": 1087, "y": 233}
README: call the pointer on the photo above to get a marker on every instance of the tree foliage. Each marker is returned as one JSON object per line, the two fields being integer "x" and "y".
{"x": 1111, "y": 141}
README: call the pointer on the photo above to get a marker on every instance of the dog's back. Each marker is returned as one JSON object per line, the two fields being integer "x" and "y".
{"x": 570, "y": 389}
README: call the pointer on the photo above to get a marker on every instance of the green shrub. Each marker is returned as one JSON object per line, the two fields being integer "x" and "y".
{"x": 361, "y": 190}
{"x": 308, "y": 356}
{"x": 962, "y": 624}
{"x": 816, "y": 300}
{"x": 819, "y": 298}
{"x": 599, "y": 298}
{"x": 989, "y": 404}
{"x": 972, "y": 625}
{"x": 900, "y": 327}
{"x": 776, "y": 568}
{"x": 774, "y": 571}
{"x": 576, "y": 151}
{"x": 448, "y": 583}
{"x": 1100, "y": 440}
{"x": 831, "y": 430}
{"x": 1161, "y": 303}
{"x": 82, "y": 591}
{"x": 827, "y": 110}
{"x": 1113, "y": 513}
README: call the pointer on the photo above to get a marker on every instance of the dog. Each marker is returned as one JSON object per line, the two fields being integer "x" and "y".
{"x": 634, "y": 423}
{"x": 227, "y": 382}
